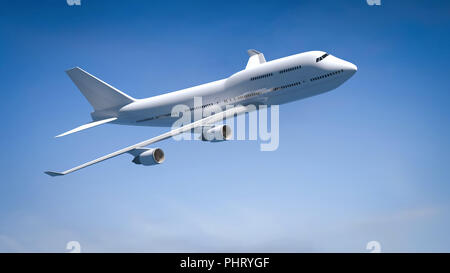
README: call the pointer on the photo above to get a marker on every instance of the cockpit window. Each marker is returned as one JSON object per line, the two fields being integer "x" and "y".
{"x": 321, "y": 57}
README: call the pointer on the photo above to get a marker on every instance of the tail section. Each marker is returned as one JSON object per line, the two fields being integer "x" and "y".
{"x": 100, "y": 95}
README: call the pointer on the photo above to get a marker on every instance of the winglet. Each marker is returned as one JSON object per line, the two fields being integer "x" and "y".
{"x": 256, "y": 58}
{"x": 54, "y": 173}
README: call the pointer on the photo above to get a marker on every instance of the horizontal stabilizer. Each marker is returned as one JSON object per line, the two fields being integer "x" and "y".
{"x": 87, "y": 126}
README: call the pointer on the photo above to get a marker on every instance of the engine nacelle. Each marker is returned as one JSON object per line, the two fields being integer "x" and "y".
{"x": 217, "y": 133}
{"x": 150, "y": 157}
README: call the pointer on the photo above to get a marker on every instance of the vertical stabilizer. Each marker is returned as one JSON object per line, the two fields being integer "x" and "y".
{"x": 99, "y": 94}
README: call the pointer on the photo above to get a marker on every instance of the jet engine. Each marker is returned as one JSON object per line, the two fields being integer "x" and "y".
{"x": 217, "y": 133}
{"x": 150, "y": 157}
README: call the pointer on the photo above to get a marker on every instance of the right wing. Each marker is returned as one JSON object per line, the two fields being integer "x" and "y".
{"x": 202, "y": 122}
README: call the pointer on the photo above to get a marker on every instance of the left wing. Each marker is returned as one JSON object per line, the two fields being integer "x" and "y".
{"x": 202, "y": 122}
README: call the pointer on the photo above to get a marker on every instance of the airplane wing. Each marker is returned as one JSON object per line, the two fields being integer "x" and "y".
{"x": 202, "y": 122}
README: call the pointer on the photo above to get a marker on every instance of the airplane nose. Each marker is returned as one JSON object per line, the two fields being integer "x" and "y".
{"x": 349, "y": 68}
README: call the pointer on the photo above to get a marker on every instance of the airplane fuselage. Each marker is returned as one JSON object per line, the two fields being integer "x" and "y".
{"x": 275, "y": 82}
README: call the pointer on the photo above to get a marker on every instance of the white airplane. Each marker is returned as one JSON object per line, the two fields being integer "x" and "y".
{"x": 271, "y": 83}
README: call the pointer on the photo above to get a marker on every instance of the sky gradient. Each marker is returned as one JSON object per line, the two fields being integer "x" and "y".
{"x": 367, "y": 161}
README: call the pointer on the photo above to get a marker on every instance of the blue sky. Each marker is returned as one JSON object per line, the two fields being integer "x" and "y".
{"x": 367, "y": 161}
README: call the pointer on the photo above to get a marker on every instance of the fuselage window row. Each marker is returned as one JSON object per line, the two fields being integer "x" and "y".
{"x": 287, "y": 86}
{"x": 261, "y": 76}
{"x": 290, "y": 69}
{"x": 327, "y": 75}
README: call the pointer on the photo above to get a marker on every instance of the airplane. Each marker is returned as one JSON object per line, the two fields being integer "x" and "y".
{"x": 261, "y": 82}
